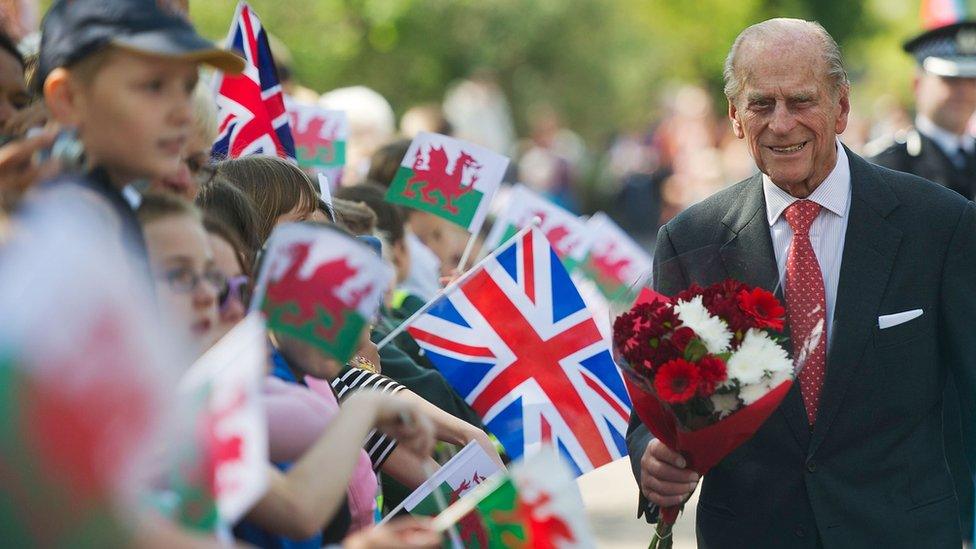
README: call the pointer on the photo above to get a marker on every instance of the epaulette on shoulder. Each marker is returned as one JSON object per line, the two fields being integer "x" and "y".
{"x": 908, "y": 138}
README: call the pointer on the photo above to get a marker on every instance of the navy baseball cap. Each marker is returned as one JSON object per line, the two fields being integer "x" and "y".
{"x": 949, "y": 50}
{"x": 74, "y": 29}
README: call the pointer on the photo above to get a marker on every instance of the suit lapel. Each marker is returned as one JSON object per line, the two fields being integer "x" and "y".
{"x": 870, "y": 248}
{"x": 748, "y": 257}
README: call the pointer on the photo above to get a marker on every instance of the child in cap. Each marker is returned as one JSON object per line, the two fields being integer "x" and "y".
{"x": 121, "y": 74}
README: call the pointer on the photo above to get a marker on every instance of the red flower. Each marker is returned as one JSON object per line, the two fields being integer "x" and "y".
{"x": 763, "y": 307}
{"x": 676, "y": 381}
{"x": 682, "y": 337}
{"x": 712, "y": 372}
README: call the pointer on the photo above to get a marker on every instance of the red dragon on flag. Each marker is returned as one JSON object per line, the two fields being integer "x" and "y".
{"x": 433, "y": 177}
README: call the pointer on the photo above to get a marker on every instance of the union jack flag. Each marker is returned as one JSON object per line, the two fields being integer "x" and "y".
{"x": 250, "y": 106}
{"x": 517, "y": 342}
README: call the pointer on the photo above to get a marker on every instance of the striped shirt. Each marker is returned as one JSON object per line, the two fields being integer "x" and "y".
{"x": 827, "y": 233}
{"x": 378, "y": 446}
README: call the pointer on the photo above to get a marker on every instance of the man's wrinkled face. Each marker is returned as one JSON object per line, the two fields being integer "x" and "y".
{"x": 790, "y": 114}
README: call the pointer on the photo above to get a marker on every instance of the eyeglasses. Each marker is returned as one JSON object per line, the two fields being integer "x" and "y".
{"x": 185, "y": 280}
{"x": 236, "y": 288}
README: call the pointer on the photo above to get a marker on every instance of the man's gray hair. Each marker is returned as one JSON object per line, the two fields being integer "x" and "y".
{"x": 778, "y": 29}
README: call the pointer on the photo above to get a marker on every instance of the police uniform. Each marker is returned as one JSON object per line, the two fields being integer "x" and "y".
{"x": 939, "y": 156}
{"x": 915, "y": 153}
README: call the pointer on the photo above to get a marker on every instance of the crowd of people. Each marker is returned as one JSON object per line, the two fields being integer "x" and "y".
{"x": 119, "y": 116}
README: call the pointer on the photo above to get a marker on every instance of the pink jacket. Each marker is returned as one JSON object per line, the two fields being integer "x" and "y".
{"x": 297, "y": 417}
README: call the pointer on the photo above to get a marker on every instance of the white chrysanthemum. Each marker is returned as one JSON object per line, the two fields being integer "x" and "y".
{"x": 725, "y": 403}
{"x": 777, "y": 377}
{"x": 712, "y": 330}
{"x": 752, "y": 392}
{"x": 756, "y": 355}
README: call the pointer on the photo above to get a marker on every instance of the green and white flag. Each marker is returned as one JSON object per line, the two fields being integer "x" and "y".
{"x": 614, "y": 261}
{"x": 86, "y": 378}
{"x": 565, "y": 231}
{"x": 320, "y": 285}
{"x": 320, "y": 138}
{"x": 536, "y": 505}
{"x": 449, "y": 178}
{"x": 468, "y": 469}
{"x": 221, "y": 459}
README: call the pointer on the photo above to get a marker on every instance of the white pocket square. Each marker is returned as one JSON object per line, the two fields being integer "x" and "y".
{"x": 887, "y": 321}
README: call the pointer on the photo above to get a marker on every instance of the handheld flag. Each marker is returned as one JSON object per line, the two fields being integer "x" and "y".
{"x": 320, "y": 138}
{"x": 565, "y": 232}
{"x": 222, "y": 393}
{"x": 82, "y": 399}
{"x": 515, "y": 340}
{"x": 250, "y": 106}
{"x": 460, "y": 475}
{"x": 614, "y": 260}
{"x": 320, "y": 285}
{"x": 449, "y": 178}
{"x": 536, "y": 505}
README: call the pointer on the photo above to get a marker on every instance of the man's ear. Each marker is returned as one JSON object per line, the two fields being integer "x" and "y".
{"x": 734, "y": 118}
{"x": 61, "y": 97}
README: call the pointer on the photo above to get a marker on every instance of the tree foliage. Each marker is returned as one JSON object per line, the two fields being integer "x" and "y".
{"x": 603, "y": 63}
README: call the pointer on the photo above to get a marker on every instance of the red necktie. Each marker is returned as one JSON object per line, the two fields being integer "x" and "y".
{"x": 806, "y": 305}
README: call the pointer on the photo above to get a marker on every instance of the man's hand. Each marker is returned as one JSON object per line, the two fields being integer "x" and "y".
{"x": 664, "y": 479}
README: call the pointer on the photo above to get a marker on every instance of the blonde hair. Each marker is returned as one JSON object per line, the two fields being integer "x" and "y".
{"x": 204, "y": 111}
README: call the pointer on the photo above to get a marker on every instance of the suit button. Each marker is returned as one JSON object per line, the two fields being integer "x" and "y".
{"x": 811, "y": 467}
{"x": 800, "y": 532}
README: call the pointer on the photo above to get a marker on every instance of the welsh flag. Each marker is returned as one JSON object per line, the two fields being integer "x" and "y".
{"x": 320, "y": 285}
{"x": 81, "y": 399}
{"x": 565, "y": 231}
{"x": 221, "y": 465}
{"x": 320, "y": 138}
{"x": 537, "y": 505}
{"x": 468, "y": 469}
{"x": 614, "y": 261}
{"x": 449, "y": 178}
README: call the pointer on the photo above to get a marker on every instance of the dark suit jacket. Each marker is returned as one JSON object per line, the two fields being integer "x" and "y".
{"x": 872, "y": 472}
{"x": 916, "y": 154}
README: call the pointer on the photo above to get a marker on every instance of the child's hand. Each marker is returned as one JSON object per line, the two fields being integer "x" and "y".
{"x": 406, "y": 532}
{"x": 398, "y": 418}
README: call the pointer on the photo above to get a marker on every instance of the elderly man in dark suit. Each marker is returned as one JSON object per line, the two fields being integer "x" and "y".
{"x": 854, "y": 455}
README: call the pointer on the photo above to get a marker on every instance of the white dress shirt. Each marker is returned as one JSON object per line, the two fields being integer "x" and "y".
{"x": 827, "y": 232}
{"x": 949, "y": 142}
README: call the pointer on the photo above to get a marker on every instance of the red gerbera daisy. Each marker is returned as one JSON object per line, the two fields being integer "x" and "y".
{"x": 763, "y": 307}
{"x": 676, "y": 381}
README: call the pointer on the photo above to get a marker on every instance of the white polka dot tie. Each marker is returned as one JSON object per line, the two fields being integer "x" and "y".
{"x": 806, "y": 305}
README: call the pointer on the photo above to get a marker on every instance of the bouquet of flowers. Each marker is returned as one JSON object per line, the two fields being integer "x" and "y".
{"x": 704, "y": 370}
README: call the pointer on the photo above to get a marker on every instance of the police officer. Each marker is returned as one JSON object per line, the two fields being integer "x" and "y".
{"x": 940, "y": 148}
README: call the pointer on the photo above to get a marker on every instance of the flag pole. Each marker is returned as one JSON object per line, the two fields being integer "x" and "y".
{"x": 536, "y": 221}
{"x": 467, "y": 252}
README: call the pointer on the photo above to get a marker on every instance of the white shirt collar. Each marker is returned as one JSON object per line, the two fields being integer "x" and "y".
{"x": 946, "y": 140}
{"x": 833, "y": 194}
